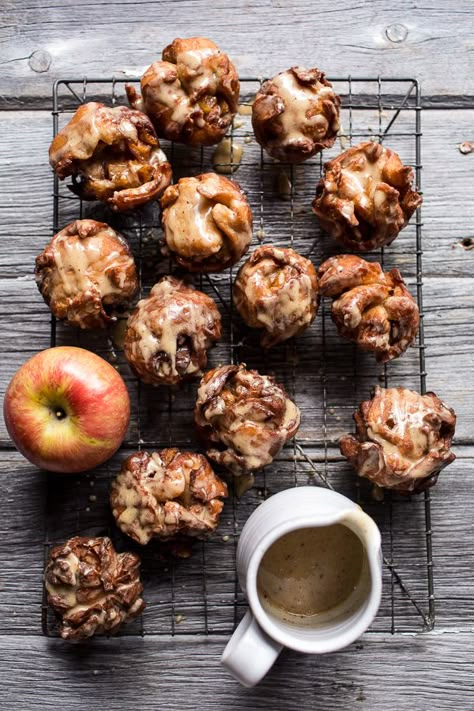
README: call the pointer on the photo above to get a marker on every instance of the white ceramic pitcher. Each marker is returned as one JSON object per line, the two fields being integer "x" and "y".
{"x": 258, "y": 640}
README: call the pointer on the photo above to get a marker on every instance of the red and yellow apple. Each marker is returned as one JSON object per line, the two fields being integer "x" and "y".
{"x": 67, "y": 410}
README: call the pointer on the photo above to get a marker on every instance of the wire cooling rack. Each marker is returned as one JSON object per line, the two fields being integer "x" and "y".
{"x": 196, "y": 591}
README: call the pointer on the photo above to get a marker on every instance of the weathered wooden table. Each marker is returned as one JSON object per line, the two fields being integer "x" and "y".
{"x": 41, "y": 42}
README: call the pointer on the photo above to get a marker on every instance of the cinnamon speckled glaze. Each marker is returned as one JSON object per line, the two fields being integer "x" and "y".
{"x": 207, "y": 222}
{"x": 276, "y": 290}
{"x": 402, "y": 439}
{"x": 165, "y": 494}
{"x": 372, "y": 308}
{"x": 170, "y": 331}
{"x": 296, "y": 114}
{"x": 365, "y": 197}
{"x": 92, "y": 588}
{"x": 243, "y": 417}
{"x": 86, "y": 274}
{"x": 191, "y": 94}
{"x": 112, "y": 154}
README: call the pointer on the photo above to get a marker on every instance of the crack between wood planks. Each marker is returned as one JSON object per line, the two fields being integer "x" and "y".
{"x": 433, "y": 102}
{"x": 17, "y": 59}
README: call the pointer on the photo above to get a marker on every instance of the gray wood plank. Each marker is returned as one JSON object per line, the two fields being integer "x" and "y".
{"x": 448, "y": 177}
{"x": 447, "y": 267}
{"x": 430, "y": 672}
{"x": 448, "y": 314}
{"x": 43, "y": 42}
{"x": 72, "y": 511}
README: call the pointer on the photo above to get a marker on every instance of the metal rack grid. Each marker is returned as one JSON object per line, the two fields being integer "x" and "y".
{"x": 199, "y": 593}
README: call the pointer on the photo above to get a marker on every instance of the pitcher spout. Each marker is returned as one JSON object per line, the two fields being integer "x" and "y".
{"x": 366, "y": 529}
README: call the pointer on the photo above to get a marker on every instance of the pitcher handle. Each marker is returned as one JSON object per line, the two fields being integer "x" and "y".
{"x": 250, "y": 652}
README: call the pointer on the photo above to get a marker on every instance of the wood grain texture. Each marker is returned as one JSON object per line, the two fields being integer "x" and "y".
{"x": 373, "y": 674}
{"x": 71, "y": 511}
{"x": 44, "y": 40}
{"x": 449, "y": 300}
{"x": 448, "y": 177}
{"x": 123, "y": 38}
